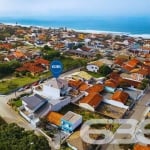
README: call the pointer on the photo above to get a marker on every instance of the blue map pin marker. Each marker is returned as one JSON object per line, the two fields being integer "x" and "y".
{"x": 56, "y": 68}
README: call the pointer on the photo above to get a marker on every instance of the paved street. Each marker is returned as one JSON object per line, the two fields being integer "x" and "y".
{"x": 9, "y": 115}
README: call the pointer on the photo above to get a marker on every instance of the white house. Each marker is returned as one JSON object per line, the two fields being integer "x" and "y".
{"x": 53, "y": 90}
{"x": 94, "y": 66}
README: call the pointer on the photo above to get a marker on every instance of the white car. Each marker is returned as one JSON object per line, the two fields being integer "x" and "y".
{"x": 147, "y": 104}
{"x": 20, "y": 90}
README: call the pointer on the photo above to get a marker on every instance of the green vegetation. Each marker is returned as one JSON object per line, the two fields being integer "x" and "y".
{"x": 144, "y": 84}
{"x": 7, "y": 86}
{"x": 8, "y": 68}
{"x": 70, "y": 63}
{"x": 2, "y": 122}
{"x": 13, "y": 137}
{"x": 147, "y": 126}
{"x": 6, "y": 32}
{"x": 94, "y": 74}
{"x": 87, "y": 115}
{"x": 49, "y": 53}
{"x": 15, "y": 103}
{"x": 105, "y": 70}
{"x": 65, "y": 147}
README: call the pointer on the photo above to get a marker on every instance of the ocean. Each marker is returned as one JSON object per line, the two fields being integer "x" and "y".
{"x": 138, "y": 26}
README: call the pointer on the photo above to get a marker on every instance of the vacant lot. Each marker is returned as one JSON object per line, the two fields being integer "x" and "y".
{"x": 7, "y": 86}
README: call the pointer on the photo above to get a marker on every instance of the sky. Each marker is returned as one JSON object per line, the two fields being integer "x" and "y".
{"x": 50, "y": 8}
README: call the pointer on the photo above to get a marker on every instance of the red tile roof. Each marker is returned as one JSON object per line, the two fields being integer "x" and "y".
{"x": 75, "y": 83}
{"x": 141, "y": 147}
{"x": 5, "y": 46}
{"x": 131, "y": 82}
{"x": 42, "y": 61}
{"x": 54, "y": 118}
{"x": 120, "y": 96}
{"x": 85, "y": 48}
{"x": 114, "y": 76}
{"x": 96, "y": 88}
{"x": 144, "y": 71}
{"x": 131, "y": 64}
{"x": 111, "y": 83}
{"x": 126, "y": 67}
{"x": 119, "y": 61}
{"x": 84, "y": 86}
{"x": 31, "y": 67}
{"x": 18, "y": 54}
{"x": 93, "y": 99}
{"x": 147, "y": 63}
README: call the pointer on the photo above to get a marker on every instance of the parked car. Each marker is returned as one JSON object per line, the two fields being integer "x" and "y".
{"x": 147, "y": 104}
{"x": 35, "y": 83}
{"x": 21, "y": 89}
{"x": 27, "y": 87}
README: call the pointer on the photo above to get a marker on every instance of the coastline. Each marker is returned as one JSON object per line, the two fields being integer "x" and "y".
{"x": 145, "y": 36}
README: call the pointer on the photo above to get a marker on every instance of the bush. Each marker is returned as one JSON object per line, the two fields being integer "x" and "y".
{"x": 105, "y": 70}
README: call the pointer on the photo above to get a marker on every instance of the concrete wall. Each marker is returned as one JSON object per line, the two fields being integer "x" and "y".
{"x": 115, "y": 103}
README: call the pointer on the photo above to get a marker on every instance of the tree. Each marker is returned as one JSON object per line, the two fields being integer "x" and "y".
{"x": 8, "y": 67}
{"x": 15, "y": 138}
{"x": 105, "y": 70}
{"x": 144, "y": 84}
{"x": 50, "y": 55}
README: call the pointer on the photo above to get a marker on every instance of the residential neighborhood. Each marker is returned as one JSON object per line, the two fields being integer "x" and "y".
{"x": 104, "y": 76}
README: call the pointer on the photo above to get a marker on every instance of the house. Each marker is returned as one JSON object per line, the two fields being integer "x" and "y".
{"x": 131, "y": 82}
{"x": 94, "y": 66}
{"x": 111, "y": 85}
{"x": 84, "y": 86}
{"x": 9, "y": 58}
{"x": 87, "y": 49}
{"x": 91, "y": 101}
{"x": 33, "y": 108}
{"x": 120, "y": 96}
{"x": 120, "y": 61}
{"x": 54, "y": 118}
{"x": 141, "y": 147}
{"x": 97, "y": 88}
{"x": 33, "y": 103}
{"x": 19, "y": 55}
{"x": 131, "y": 64}
{"x": 114, "y": 76}
{"x": 54, "y": 89}
{"x": 75, "y": 83}
{"x": 33, "y": 68}
{"x": 70, "y": 121}
{"x": 136, "y": 76}
{"x": 43, "y": 62}
{"x": 82, "y": 75}
{"x": 5, "y": 46}
{"x": 83, "y": 54}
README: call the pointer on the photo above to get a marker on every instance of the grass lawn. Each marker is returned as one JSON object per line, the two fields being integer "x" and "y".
{"x": 87, "y": 115}
{"x": 9, "y": 85}
{"x": 17, "y": 102}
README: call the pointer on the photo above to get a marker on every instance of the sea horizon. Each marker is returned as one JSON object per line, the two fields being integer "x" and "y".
{"x": 134, "y": 26}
